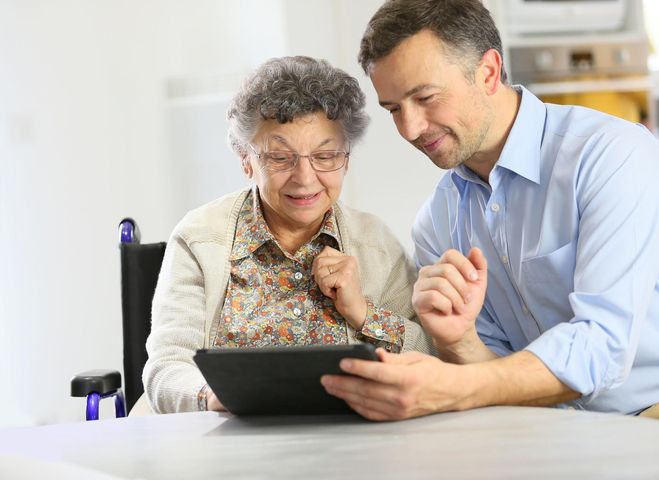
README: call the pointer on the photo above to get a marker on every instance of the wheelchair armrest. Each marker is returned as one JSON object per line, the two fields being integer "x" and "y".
{"x": 102, "y": 382}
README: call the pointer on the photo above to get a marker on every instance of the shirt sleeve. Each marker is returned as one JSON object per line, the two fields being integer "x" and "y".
{"x": 616, "y": 269}
{"x": 426, "y": 242}
{"x": 383, "y": 328}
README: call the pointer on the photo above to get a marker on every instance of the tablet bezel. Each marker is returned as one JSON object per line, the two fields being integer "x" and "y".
{"x": 278, "y": 380}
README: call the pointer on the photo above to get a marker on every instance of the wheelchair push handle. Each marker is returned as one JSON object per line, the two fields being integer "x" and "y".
{"x": 129, "y": 232}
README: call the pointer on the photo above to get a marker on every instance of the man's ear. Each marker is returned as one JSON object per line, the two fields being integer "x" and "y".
{"x": 489, "y": 71}
{"x": 246, "y": 165}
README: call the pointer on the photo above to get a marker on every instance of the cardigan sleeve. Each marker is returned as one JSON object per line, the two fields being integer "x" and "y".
{"x": 171, "y": 379}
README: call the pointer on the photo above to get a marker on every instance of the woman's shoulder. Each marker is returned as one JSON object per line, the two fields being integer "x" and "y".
{"x": 364, "y": 227}
{"x": 360, "y": 219}
{"x": 211, "y": 222}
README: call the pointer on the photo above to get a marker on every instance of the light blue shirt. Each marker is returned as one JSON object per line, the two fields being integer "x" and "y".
{"x": 569, "y": 224}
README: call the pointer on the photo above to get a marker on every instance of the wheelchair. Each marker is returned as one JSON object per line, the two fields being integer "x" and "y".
{"x": 140, "y": 267}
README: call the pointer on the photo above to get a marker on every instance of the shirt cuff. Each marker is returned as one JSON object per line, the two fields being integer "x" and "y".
{"x": 576, "y": 358}
{"x": 383, "y": 328}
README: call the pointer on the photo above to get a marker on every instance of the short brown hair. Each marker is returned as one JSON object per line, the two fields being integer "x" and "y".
{"x": 465, "y": 26}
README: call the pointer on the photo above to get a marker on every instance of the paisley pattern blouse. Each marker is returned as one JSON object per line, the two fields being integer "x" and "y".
{"x": 272, "y": 299}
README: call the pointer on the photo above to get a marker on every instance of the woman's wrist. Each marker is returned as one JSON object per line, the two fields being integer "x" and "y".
{"x": 202, "y": 398}
{"x": 357, "y": 317}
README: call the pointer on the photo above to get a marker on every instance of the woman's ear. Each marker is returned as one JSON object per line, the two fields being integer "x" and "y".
{"x": 246, "y": 165}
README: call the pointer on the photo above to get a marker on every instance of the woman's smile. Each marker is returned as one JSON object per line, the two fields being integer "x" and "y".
{"x": 303, "y": 200}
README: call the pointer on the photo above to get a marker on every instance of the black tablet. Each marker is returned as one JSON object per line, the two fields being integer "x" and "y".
{"x": 277, "y": 380}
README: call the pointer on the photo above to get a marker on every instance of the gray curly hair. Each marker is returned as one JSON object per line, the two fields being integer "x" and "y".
{"x": 286, "y": 88}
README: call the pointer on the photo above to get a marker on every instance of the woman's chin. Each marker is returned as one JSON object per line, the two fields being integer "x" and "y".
{"x": 307, "y": 219}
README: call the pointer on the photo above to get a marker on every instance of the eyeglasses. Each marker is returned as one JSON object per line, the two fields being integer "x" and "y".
{"x": 283, "y": 161}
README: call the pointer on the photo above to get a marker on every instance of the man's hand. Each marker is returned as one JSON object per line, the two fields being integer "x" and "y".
{"x": 400, "y": 386}
{"x": 414, "y": 384}
{"x": 448, "y": 296}
{"x": 337, "y": 276}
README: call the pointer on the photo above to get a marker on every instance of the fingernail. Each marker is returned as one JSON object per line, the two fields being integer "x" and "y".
{"x": 473, "y": 276}
{"x": 345, "y": 364}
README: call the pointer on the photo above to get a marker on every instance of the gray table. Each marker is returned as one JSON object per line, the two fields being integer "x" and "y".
{"x": 497, "y": 442}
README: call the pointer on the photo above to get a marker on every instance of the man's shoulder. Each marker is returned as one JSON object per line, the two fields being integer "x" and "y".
{"x": 583, "y": 136}
{"x": 575, "y": 121}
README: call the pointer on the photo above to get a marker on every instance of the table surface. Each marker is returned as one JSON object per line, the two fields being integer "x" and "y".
{"x": 495, "y": 442}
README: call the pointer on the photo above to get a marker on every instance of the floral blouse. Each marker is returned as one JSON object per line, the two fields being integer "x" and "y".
{"x": 272, "y": 299}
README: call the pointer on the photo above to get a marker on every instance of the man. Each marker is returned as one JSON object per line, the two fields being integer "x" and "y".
{"x": 538, "y": 250}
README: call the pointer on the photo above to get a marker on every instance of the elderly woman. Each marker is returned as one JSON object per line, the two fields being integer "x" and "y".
{"x": 280, "y": 263}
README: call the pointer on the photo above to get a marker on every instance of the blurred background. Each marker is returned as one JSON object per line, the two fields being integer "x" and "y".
{"x": 114, "y": 108}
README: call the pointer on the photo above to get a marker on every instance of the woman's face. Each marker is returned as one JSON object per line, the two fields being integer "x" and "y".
{"x": 296, "y": 200}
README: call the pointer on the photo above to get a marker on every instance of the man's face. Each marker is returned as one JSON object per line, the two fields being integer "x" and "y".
{"x": 433, "y": 105}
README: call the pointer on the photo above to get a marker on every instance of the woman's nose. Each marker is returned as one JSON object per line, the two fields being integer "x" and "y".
{"x": 303, "y": 171}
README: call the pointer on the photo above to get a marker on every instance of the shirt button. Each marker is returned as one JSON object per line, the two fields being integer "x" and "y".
{"x": 504, "y": 259}
{"x": 297, "y": 276}
{"x": 495, "y": 207}
{"x": 297, "y": 312}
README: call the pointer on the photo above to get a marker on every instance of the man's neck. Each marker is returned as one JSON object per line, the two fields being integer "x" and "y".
{"x": 506, "y": 105}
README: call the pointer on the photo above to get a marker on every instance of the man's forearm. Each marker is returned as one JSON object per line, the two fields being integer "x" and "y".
{"x": 518, "y": 379}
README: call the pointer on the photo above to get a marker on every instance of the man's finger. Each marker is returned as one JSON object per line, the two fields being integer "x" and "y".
{"x": 364, "y": 393}
{"x": 388, "y": 371}
{"x": 457, "y": 295}
{"x": 462, "y": 263}
{"x": 407, "y": 358}
{"x": 430, "y": 276}
{"x": 478, "y": 260}
{"x": 369, "y": 414}
{"x": 431, "y": 302}
{"x": 379, "y": 372}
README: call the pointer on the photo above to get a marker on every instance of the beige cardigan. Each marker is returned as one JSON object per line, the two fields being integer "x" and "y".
{"x": 195, "y": 275}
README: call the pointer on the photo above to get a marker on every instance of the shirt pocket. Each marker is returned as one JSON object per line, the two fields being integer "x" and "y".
{"x": 548, "y": 281}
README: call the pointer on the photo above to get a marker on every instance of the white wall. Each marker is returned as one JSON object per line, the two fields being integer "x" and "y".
{"x": 115, "y": 107}
{"x": 81, "y": 147}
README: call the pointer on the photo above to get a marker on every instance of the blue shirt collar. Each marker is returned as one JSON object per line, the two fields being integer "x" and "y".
{"x": 521, "y": 153}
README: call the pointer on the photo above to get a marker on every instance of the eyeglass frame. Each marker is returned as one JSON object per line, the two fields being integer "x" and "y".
{"x": 297, "y": 156}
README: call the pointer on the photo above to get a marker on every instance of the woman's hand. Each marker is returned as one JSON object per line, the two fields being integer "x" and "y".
{"x": 337, "y": 276}
{"x": 212, "y": 402}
